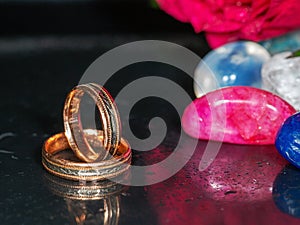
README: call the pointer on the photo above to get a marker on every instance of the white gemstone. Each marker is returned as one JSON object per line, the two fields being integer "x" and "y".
{"x": 281, "y": 75}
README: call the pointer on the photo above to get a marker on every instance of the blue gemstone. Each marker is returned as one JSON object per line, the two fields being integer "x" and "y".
{"x": 288, "y": 140}
{"x": 234, "y": 64}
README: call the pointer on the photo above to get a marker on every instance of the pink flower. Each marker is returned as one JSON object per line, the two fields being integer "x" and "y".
{"x": 230, "y": 20}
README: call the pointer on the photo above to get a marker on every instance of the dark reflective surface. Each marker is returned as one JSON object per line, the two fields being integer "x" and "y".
{"x": 235, "y": 189}
{"x": 238, "y": 188}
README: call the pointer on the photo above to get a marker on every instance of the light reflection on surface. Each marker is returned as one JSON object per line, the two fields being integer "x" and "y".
{"x": 235, "y": 189}
{"x": 88, "y": 203}
{"x": 286, "y": 191}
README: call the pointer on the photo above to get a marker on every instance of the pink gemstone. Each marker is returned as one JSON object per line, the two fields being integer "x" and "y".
{"x": 238, "y": 114}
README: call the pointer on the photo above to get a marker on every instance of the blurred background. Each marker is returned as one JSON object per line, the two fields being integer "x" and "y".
{"x": 108, "y": 22}
{"x": 46, "y": 45}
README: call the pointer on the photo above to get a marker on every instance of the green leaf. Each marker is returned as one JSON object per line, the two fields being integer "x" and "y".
{"x": 153, "y": 4}
{"x": 294, "y": 54}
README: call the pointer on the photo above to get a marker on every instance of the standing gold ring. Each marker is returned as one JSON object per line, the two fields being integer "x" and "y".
{"x": 110, "y": 120}
{"x": 59, "y": 161}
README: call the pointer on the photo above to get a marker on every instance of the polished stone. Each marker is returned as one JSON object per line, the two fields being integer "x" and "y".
{"x": 233, "y": 64}
{"x": 281, "y": 75}
{"x": 240, "y": 115}
{"x": 288, "y": 140}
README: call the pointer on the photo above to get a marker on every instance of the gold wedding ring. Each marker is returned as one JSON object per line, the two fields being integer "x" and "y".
{"x": 88, "y": 154}
{"x": 59, "y": 161}
{"x": 110, "y": 120}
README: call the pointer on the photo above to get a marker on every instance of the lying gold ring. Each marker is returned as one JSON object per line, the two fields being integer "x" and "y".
{"x": 63, "y": 163}
{"x": 110, "y": 120}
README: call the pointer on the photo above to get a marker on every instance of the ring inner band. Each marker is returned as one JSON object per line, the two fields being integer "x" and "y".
{"x": 109, "y": 117}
